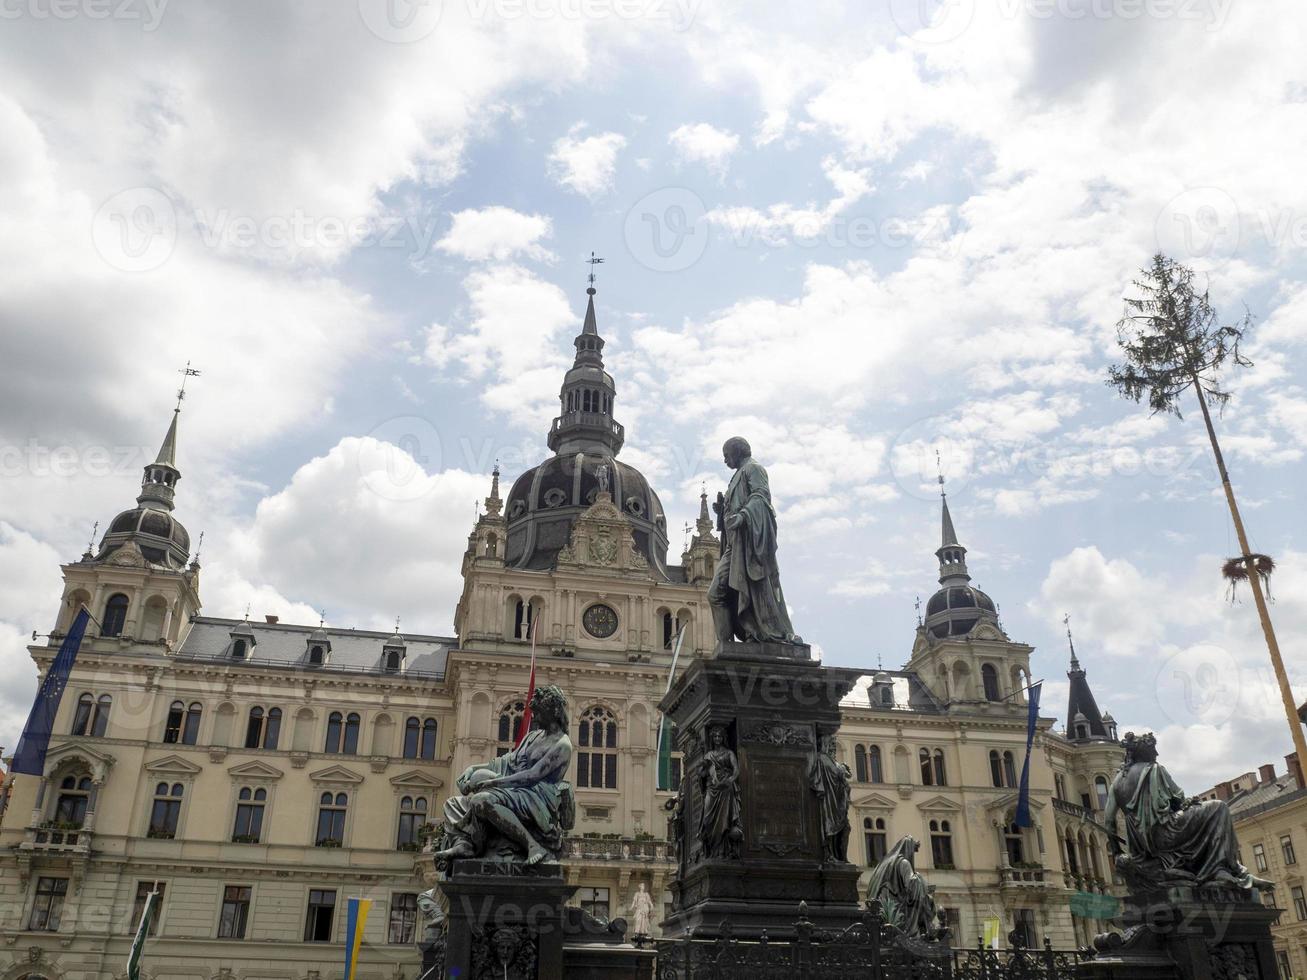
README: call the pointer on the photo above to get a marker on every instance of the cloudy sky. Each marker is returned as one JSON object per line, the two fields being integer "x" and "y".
{"x": 853, "y": 233}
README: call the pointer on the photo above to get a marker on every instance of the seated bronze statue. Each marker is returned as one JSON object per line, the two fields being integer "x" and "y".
{"x": 519, "y": 806}
{"x": 1172, "y": 839}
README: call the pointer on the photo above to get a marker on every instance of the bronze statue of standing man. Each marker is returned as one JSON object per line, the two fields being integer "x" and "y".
{"x": 745, "y": 594}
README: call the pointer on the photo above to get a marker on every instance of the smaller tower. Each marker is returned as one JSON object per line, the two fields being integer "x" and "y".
{"x": 586, "y": 423}
{"x": 1083, "y": 719}
{"x": 700, "y": 559}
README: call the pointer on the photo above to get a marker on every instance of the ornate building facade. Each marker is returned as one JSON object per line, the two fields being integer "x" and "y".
{"x": 261, "y": 773}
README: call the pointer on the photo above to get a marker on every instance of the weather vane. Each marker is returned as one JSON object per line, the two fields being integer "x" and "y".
{"x": 939, "y": 469}
{"x": 397, "y": 624}
{"x": 917, "y": 606}
{"x": 90, "y": 545}
{"x": 593, "y": 261}
{"x": 186, "y": 372}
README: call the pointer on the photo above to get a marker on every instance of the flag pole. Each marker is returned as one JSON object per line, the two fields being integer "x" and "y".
{"x": 664, "y": 748}
{"x": 531, "y": 687}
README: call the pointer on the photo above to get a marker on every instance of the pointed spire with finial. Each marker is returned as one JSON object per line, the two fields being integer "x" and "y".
{"x": 159, "y": 482}
{"x": 90, "y": 545}
{"x": 952, "y": 556}
{"x": 494, "y": 505}
{"x": 1071, "y": 643}
{"x": 704, "y": 525}
{"x": 585, "y": 423}
{"x": 1083, "y": 719}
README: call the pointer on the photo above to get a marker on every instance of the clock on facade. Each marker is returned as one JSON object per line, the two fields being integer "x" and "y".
{"x": 600, "y": 620}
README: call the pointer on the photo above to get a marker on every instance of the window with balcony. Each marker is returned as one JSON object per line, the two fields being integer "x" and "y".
{"x": 248, "y": 828}
{"x": 235, "y": 912}
{"x": 72, "y": 802}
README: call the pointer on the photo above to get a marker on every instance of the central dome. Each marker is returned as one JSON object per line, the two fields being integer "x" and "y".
{"x": 546, "y": 499}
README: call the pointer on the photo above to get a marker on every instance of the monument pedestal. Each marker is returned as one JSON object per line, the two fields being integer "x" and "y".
{"x": 1185, "y": 934}
{"x": 774, "y": 703}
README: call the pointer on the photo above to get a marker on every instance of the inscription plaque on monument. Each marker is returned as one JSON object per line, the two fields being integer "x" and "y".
{"x": 775, "y": 788}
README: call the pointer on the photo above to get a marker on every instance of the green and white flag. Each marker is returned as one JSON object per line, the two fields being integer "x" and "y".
{"x": 142, "y": 930}
{"x": 664, "y": 726}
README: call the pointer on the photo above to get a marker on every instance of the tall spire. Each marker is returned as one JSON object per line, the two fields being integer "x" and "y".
{"x": 494, "y": 506}
{"x": 1083, "y": 719}
{"x": 952, "y": 556}
{"x": 585, "y": 423}
{"x": 159, "y": 481}
{"x": 704, "y": 524}
{"x": 1066, "y": 621}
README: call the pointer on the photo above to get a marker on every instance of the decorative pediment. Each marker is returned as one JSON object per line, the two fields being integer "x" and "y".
{"x": 1008, "y": 801}
{"x": 875, "y": 801}
{"x": 939, "y": 804}
{"x": 414, "y": 779}
{"x": 601, "y": 538}
{"x": 173, "y": 765}
{"x": 335, "y": 774}
{"x": 987, "y": 631}
{"x": 71, "y": 752}
{"x": 255, "y": 770}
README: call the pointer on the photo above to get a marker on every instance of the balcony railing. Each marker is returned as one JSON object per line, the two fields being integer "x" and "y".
{"x": 618, "y": 849}
{"x": 1027, "y": 877}
{"x": 59, "y": 838}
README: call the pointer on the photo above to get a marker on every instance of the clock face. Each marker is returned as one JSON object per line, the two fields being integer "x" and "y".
{"x": 600, "y": 620}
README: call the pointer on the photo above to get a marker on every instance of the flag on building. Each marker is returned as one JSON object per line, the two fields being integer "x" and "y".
{"x": 142, "y": 930}
{"x": 1032, "y": 722}
{"x": 664, "y": 726}
{"x": 530, "y": 693}
{"x": 29, "y": 757}
{"x": 356, "y": 917}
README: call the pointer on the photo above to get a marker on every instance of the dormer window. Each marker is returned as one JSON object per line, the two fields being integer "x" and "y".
{"x": 316, "y": 655}
{"x": 238, "y": 650}
{"x": 393, "y": 659}
{"x": 393, "y": 654}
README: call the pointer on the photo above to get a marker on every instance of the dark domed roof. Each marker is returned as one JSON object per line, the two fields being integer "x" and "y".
{"x": 546, "y": 499}
{"x": 954, "y": 610}
{"x": 160, "y": 536}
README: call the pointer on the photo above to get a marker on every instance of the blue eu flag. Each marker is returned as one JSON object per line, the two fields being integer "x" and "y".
{"x": 29, "y": 757}
{"x": 1032, "y": 721}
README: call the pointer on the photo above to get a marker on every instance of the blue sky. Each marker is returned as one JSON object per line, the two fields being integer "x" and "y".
{"x": 855, "y": 234}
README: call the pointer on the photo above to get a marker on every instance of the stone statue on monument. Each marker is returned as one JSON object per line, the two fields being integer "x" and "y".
{"x": 829, "y": 779}
{"x": 1172, "y": 840}
{"x": 642, "y": 907}
{"x": 519, "y": 806}
{"x": 745, "y": 593}
{"x": 906, "y": 899}
{"x": 720, "y": 831}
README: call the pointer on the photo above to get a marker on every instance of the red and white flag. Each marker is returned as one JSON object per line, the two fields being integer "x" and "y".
{"x": 530, "y": 690}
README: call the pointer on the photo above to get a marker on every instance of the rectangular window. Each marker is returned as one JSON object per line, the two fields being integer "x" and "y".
{"x": 143, "y": 889}
{"x": 1282, "y": 958}
{"x": 1299, "y": 902}
{"x": 941, "y": 850}
{"x": 875, "y": 848}
{"x": 322, "y": 910}
{"x": 953, "y": 919}
{"x": 1259, "y": 857}
{"x": 594, "y": 901}
{"x": 403, "y": 918}
{"x": 676, "y": 772}
{"x": 235, "y": 912}
{"x": 1286, "y": 847}
{"x": 49, "y": 904}
{"x": 1024, "y": 921}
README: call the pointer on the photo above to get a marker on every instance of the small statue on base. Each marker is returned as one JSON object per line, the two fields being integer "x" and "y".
{"x": 641, "y": 910}
{"x": 519, "y": 806}
{"x": 1173, "y": 840}
{"x": 745, "y": 593}
{"x": 720, "y": 832}
{"x": 908, "y": 902}
{"x": 830, "y": 781}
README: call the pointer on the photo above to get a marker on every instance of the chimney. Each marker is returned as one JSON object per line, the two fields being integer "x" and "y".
{"x": 270, "y": 619}
{"x": 1291, "y": 762}
{"x": 1223, "y": 791}
{"x": 1267, "y": 772}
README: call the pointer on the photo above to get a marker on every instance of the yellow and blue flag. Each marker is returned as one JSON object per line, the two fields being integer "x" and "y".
{"x": 29, "y": 757}
{"x": 356, "y": 917}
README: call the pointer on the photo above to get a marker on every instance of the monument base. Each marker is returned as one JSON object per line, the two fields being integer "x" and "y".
{"x": 508, "y": 921}
{"x": 1186, "y": 934}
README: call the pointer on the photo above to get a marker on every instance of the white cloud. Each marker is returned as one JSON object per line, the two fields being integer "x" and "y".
{"x": 29, "y": 601}
{"x": 497, "y": 233}
{"x": 585, "y": 164}
{"x": 706, "y": 144}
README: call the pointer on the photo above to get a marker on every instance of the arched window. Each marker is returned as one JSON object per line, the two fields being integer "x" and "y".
{"x": 927, "y": 773}
{"x": 873, "y": 833}
{"x": 669, "y": 630}
{"x": 989, "y": 678}
{"x": 392, "y": 661}
{"x": 523, "y": 616}
{"x": 1059, "y": 786}
{"x": 115, "y": 615}
{"x": 420, "y": 738}
{"x": 932, "y": 768}
{"x": 412, "y": 816}
{"x": 995, "y": 768}
{"x": 941, "y": 845}
{"x": 100, "y": 716}
{"x": 1014, "y": 841}
{"x": 263, "y": 728}
{"x": 249, "y": 815}
{"x": 941, "y": 778}
{"x": 860, "y": 763}
{"x": 1010, "y": 769}
{"x": 510, "y": 726}
{"x": 191, "y": 728}
{"x": 1100, "y": 790}
{"x": 166, "y": 811}
{"x": 316, "y": 655}
{"x": 1072, "y": 860}
{"x": 238, "y": 650}
{"x": 82, "y": 716}
{"x": 331, "y": 820}
{"x": 596, "y": 762}
{"x": 877, "y": 766}
{"x": 351, "y": 746}
{"x": 74, "y": 798}
{"x": 342, "y": 734}
{"x": 172, "y": 729}
{"x": 334, "y": 723}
